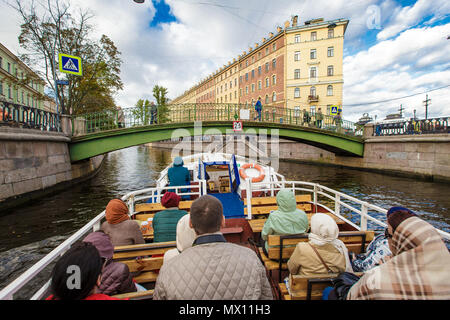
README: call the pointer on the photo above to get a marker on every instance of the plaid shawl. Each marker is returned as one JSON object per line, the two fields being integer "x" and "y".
{"x": 419, "y": 270}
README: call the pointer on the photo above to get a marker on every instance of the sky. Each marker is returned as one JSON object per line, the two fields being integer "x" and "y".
{"x": 394, "y": 51}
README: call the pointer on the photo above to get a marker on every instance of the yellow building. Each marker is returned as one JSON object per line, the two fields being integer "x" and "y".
{"x": 314, "y": 72}
{"x": 18, "y": 83}
{"x": 299, "y": 67}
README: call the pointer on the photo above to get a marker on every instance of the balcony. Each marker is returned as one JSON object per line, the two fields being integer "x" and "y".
{"x": 313, "y": 98}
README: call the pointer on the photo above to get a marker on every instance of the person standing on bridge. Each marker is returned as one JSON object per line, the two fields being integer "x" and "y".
{"x": 258, "y": 109}
{"x": 319, "y": 118}
{"x": 153, "y": 113}
{"x": 120, "y": 118}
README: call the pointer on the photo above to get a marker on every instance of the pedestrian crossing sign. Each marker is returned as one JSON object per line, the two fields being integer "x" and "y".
{"x": 334, "y": 110}
{"x": 70, "y": 64}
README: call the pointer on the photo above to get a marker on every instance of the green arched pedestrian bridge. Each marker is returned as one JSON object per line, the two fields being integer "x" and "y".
{"x": 99, "y": 133}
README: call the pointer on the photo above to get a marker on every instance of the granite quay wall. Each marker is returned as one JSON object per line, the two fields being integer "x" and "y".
{"x": 34, "y": 163}
{"x": 416, "y": 156}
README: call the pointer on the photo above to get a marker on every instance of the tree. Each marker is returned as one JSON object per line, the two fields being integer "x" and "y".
{"x": 160, "y": 94}
{"x": 55, "y": 31}
{"x": 142, "y": 112}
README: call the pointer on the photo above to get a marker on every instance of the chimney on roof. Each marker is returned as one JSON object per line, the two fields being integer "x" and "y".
{"x": 294, "y": 21}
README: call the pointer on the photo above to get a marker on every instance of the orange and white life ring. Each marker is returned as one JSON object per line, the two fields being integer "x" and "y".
{"x": 251, "y": 165}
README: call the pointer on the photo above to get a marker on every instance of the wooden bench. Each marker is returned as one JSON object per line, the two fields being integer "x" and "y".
{"x": 355, "y": 241}
{"x": 140, "y": 295}
{"x": 307, "y": 287}
{"x": 258, "y": 224}
{"x": 140, "y": 258}
{"x": 264, "y": 205}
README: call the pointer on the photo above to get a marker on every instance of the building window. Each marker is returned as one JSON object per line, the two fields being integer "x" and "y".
{"x": 297, "y": 74}
{"x": 330, "y": 33}
{"x": 297, "y": 111}
{"x": 253, "y": 59}
{"x": 297, "y": 56}
{"x": 330, "y": 52}
{"x": 246, "y": 89}
{"x": 267, "y": 82}
{"x": 240, "y": 92}
{"x": 225, "y": 87}
{"x": 330, "y": 70}
{"x": 312, "y": 109}
{"x": 274, "y": 46}
{"x": 253, "y": 73}
{"x": 312, "y": 91}
{"x": 313, "y": 73}
{"x": 259, "y": 85}
{"x": 313, "y": 36}
{"x": 274, "y": 79}
{"x": 297, "y": 93}
{"x": 246, "y": 76}
{"x": 240, "y": 79}
{"x": 9, "y": 92}
{"x": 330, "y": 90}
{"x": 267, "y": 99}
{"x": 1, "y": 62}
{"x": 274, "y": 63}
{"x": 267, "y": 67}
{"x": 231, "y": 84}
{"x": 259, "y": 70}
{"x": 253, "y": 87}
{"x": 274, "y": 97}
{"x": 246, "y": 63}
{"x": 297, "y": 38}
{"x": 267, "y": 51}
{"x": 235, "y": 82}
{"x": 313, "y": 54}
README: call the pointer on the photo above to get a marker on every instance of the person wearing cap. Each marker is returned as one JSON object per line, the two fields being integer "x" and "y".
{"x": 118, "y": 225}
{"x": 419, "y": 268}
{"x": 116, "y": 277}
{"x": 165, "y": 222}
{"x": 179, "y": 176}
{"x": 288, "y": 219}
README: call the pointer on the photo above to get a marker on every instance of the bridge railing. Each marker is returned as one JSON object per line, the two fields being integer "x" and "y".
{"x": 16, "y": 115}
{"x": 410, "y": 127}
{"x": 177, "y": 113}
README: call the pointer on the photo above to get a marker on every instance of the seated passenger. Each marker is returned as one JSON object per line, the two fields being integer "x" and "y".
{"x": 286, "y": 220}
{"x": 77, "y": 275}
{"x": 377, "y": 252}
{"x": 179, "y": 176}
{"x": 212, "y": 269}
{"x": 323, "y": 245}
{"x": 185, "y": 238}
{"x": 116, "y": 277}
{"x": 165, "y": 222}
{"x": 121, "y": 230}
{"x": 419, "y": 268}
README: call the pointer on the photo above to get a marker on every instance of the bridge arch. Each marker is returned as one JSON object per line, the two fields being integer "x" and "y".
{"x": 90, "y": 145}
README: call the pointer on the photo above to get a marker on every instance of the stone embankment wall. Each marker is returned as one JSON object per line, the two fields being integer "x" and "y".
{"x": 415, "y": 156}
{"x": 33, "y": 163}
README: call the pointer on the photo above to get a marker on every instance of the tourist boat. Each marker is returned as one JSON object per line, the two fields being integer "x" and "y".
{"x": 248, "y": 197}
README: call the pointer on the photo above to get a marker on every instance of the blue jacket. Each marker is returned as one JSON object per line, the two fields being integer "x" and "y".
{"x": 258, "y": 105}
{"x": 179, "y": 176}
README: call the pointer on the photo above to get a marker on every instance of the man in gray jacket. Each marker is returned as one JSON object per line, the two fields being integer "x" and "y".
{"x": 212, "y": 269}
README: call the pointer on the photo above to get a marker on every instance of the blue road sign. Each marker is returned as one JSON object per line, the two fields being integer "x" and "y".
{"x": 334, "y": 110}
{"x": 70, "y": 64}
{"x": 62, "y": 82}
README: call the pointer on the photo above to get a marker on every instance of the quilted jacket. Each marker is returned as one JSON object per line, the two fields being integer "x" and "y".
{"x": 213, "y": 271}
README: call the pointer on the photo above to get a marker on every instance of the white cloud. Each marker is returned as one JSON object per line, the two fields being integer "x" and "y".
{"x": 208, "y": 34}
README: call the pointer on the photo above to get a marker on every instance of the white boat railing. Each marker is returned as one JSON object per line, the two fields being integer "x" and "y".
{"x": 341, "y": 200}
{"x": 131, "y": 198}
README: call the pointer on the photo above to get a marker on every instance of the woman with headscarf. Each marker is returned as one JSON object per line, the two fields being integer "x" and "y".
{"x": 185, "y": 238}
{"x": 165, "y": 222}
{"x": 118, "y": 225}
{"x": 323, "y": 253}
{"x": 116, "y": 277}
{"x": 288, "y": 219}
{"x": 419, "y": 268}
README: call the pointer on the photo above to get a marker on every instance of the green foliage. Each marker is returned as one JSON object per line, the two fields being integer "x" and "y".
{"x": 54, "y": 30}
{"x": 160, "y": 94}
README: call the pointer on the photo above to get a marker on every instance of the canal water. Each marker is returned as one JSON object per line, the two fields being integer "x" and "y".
{"x": 29, "y": 232}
